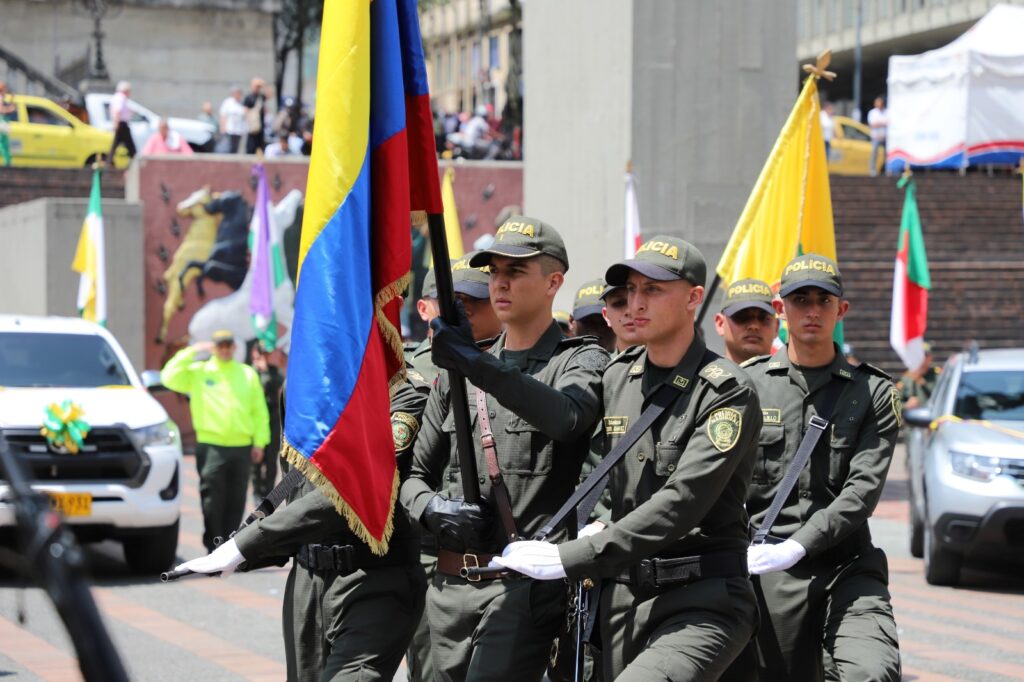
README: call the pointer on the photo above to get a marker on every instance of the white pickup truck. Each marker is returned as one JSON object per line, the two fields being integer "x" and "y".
{"x": 199, "y": 135}
{"x": 124, "y": 483}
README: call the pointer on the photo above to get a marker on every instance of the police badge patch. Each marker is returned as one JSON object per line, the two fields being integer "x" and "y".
{"x": 724, "y": 428}
{"x": 897, "y": 406}
{"x": 404, "y": 427}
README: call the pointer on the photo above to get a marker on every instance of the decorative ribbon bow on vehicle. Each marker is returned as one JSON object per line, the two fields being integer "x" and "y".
{"x": 64, "y": 427}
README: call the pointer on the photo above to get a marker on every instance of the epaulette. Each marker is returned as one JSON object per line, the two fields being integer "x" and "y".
{"x": 717, "y": 373}
{"x": 629, "y": 355}
{"x": 410, "y": 346}
{"x": 754, "y": 360}
{"x": 871, "y": 369}
{"x": 486, "y": 343}
{"x": 570, "y": 341}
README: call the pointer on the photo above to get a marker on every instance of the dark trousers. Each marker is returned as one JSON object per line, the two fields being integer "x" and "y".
{"x": 122, "y": 136}
{"x": 222, "y": 484}
{"x": 253, "y": 142}
{"x": 264, "y": 474}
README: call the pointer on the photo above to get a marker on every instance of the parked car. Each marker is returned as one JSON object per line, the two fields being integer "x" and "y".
{"x": 124, "y": 481}
{"x": 199, "y": 135}
{"x": 44, "y": 135}
{"x": 966, "y": 458}
{"x": 851, "y": 148}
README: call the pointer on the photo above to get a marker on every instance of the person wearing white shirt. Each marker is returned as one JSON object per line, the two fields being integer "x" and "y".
{"x": 120, "y": 116}
{"x": 828, "y": 127}
{"x": 232, "y": 120}
{"x": 878, "y": 121}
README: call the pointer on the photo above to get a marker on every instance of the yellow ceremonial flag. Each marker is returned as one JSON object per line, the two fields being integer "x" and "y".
{"x": 789, "y": 212}
{"x": 452, "y": 226}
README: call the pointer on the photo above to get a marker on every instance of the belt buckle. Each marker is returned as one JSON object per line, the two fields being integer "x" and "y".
{"x": 646, "y": 573}
{"x": 464, "y": 572}
{"x": 818, "y": 423}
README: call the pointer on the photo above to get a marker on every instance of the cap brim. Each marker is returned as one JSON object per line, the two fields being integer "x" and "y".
{"x": 587, "y": 310}
{"x": 608, "y": 290}
{"x": 617, "y": 274}
{"x": 484, "y": 257}
{"x": 812, "y": 283}
{"x": 729, "y": 311}
{"x": 472, "y": 289}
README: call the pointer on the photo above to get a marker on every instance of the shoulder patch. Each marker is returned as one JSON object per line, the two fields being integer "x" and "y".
{"x": 404, "y": 428}
{"x": 724, "y": 426}
{"x": 716, "y": 374}
{"x": 592, "y": 358}
{"x": 757, "y": 359}
{"x": 897, "y": 406}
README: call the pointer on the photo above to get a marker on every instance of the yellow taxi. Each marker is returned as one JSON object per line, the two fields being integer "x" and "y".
{"x": 851, "y": 147}
{"x": 44, "y": 135}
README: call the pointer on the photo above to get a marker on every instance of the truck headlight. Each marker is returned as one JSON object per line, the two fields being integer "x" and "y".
{"x": 158, "y": 434}
{"x": 976, "y": 467}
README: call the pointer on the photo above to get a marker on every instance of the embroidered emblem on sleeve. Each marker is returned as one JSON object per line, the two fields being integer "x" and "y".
{"x": 724, "y": 428}
{"x": 404, "y": 427}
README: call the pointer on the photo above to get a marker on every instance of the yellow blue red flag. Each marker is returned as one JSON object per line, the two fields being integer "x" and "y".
{"x": 373, "y": 162}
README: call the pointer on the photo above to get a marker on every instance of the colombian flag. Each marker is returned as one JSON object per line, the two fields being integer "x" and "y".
{"x": 373, "y": 163}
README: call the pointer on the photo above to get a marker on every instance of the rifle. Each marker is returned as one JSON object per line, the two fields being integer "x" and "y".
{"x": 459, "y": 398}
{"x": 49, "y": 554}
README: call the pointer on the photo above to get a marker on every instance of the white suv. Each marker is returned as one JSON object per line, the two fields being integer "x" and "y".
{"x": 124, "y": 483}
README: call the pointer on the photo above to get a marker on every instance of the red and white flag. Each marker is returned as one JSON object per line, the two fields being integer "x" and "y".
{"x": 910, "y": 284}
{"x": 632, "y": 222}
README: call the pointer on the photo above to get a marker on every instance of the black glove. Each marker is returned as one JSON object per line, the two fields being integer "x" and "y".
{"x": 452, "y": 346}
{"x": 458, "y": 525}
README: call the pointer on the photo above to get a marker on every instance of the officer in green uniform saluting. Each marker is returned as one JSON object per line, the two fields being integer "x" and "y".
{"x": 541, "y": 400}
{"x": 823, "y": 586}
{"x": 677, "y": 603}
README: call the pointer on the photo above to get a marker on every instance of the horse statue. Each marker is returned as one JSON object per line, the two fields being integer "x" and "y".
{"x": 227, "y": 261}
{"x": 196, "y": 246}
{"x": 231, "y": 312}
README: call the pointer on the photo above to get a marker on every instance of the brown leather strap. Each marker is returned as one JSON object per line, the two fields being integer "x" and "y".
{"x": 472, "y": 567}
{"x": 499, "y": 491}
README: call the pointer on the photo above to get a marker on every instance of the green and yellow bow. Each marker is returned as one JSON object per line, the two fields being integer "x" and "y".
{"x": 64, "y": 427}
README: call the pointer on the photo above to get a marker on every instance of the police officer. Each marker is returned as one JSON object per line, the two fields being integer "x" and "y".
{"x": 587, "y": 319}
{"x": 229, "y": 413}
{"x": 916, "y": 385}
{"x": 616, "y": 315}
{"x": 348, "y": 614}
{"x": 677, "y": 603}
{"x": 747, "y": 321}
{"x": 541, "y": 396}
{"x": 823, "y": 586}
{"x": 470, "y": 286}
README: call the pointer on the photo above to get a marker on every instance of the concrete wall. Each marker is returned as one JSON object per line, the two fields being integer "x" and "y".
{"x": 693, "y": 92}
{"x": 177, "y": 54}
{"x": 39, "y": 239}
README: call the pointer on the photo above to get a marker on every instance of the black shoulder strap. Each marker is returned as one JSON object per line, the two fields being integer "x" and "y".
{"x": 816, "y": 426}
{"x": 589, "y": 491}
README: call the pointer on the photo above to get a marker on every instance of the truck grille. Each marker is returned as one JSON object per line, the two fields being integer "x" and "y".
{"x": 108, "y": 455}
{"x": 1015, "y": 468}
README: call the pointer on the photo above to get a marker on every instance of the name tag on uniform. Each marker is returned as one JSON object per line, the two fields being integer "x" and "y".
{"x": 771, "y": 415}
{"x": 615, "y": 426}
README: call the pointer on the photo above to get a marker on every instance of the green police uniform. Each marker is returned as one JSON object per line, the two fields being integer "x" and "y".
{"x": 264, "y": 474}
{"x": 229, "y": 413}
{"x": 541, "y": 403}
{"x": 678, "y": 493}
{"x": 471, "y": 282}
{"x": 829, "y": 616}
{"x": 348, "y": 614}
{"x": 911, "y": 387}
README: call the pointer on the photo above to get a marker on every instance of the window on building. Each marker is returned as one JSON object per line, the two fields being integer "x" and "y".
{"x": 883, "y": 8}
{"x": 463, "y": 66}
{"x": 476, "y": 61}
{"x": 494, "y": 58}
{"x": 451, "y": 68}
{"x": 438, "y": 73}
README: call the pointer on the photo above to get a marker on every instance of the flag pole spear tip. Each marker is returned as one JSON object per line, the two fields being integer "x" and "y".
{"x": 820, "y": 66}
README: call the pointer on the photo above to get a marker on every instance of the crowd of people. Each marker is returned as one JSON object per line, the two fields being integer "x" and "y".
{"x": 477, "y": 135}
{"x": 790, "y": 446}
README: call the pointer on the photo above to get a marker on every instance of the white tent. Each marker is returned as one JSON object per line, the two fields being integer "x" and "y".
{"x": 961, "y": 104}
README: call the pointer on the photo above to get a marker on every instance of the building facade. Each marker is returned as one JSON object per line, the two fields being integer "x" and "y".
{"x": 470, "y": 48}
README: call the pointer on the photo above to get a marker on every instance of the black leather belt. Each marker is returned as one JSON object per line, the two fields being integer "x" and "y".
{"x": 658, "y": 572}
{"x": 338, "y": 558}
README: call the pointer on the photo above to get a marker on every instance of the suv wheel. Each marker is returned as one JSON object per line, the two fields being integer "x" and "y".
{"x": 152, "y": 553}
{"x": 941, "y": 566}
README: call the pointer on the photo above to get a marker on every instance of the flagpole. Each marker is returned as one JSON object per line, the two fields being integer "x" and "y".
{"x": 708, "y": 295}
{"x": 459, "y": 398}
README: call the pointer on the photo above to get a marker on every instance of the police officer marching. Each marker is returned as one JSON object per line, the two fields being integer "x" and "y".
{"x": 538, "y": 393}
{"x": 676, "y": 602}
{"x": 747, "y": 322}
{"x": 822, "y": 585}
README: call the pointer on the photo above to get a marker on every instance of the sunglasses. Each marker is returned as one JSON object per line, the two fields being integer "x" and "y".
{"x": 225, "y": 344}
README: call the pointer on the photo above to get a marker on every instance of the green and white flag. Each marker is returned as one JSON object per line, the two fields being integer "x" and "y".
{"x": 89, "y": 260}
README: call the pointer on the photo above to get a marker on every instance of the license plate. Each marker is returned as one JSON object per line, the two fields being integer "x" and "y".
{"x": 72, "y": 504}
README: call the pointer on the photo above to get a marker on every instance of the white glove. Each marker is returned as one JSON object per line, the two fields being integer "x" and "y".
{"x": 534, "y": 558}
{"x": 225, "y": 559}
{"x": 769, "y": 558}
{"x": 590, "y": 529}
